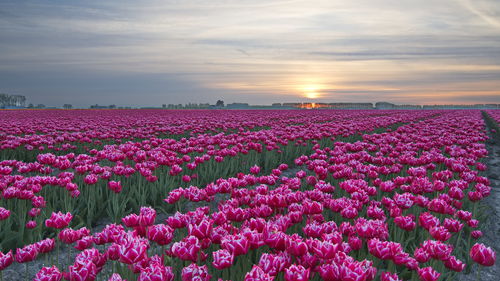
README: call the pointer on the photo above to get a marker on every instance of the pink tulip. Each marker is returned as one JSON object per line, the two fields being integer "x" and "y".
{"x": 387, "y": 276}
{"x": 222, "y": 259}
{"x": 26, "y": 254}
{"x": 58, "y": 220}
{"x": 257, "y": 274}
{"x": 187, "y": 249}
{"x": 297, "y": 273}
{"x": 194, "y": 272}
{"x": 428, "y": 274}
{"x": 483, "y": 255}
{"x": 161, "y": 234}
{"x": 6, "y": 260}
{"x": 4, "y": 214}
{"x": 116, "y": 277}
{"x": 115, "y": 186}
{"x": 133, "y": 250}
{"x": 235, "y": 244}
{"x": 156, "y": 272}
{"x": 48, "y": 274}
{"x": 45, "y": 246}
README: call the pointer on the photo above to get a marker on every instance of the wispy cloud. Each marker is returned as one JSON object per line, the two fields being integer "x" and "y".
{"x": 488, "y": 11}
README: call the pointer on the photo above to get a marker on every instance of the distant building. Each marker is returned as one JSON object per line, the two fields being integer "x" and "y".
{"x": 236, "y": 105}
{"x": 96, "y": 106}
{"x": 462, "y": 106}
{"x": 350, "y": 105}
{"x": 407, "y": 106}
{"x": 292, "y": 104}
{"x": 384, "y": 105}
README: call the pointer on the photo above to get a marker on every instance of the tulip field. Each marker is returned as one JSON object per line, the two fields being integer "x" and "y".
{"x": 254, "y": 195}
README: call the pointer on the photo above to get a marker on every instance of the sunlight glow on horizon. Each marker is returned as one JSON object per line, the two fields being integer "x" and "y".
{"x": 312, "y": 92}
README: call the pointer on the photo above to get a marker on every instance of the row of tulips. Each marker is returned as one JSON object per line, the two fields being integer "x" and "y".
{"x": 122, "y": 177}
{"x": 399, "y": 205}
{"x": 65, "y": 131}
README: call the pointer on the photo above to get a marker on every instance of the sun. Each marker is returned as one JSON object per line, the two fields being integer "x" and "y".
{"x": 311, "y": 95}
{"x": 311, "y": 91}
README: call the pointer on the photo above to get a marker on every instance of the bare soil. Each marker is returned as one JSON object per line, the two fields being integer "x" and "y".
{"x": 491, "y": 226}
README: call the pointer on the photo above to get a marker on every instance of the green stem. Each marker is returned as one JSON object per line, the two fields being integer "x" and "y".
{"x": 413, "y": 275}
{"x": 225, "y": 275}
{"x": 69, "y": 255}
{"x": 458, "y": 239}
{"x": 391, "y": 266}
{"x": 57, "y": 253}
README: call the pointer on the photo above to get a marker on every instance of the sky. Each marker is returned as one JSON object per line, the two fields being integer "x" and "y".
{"x": 148, "y": 53}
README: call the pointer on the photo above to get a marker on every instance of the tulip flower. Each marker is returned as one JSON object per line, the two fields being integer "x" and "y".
{"x": 133, "y": 250}
{"x": 45, "y": 246}
{"x": 222, "y": 259}
{"x": 4, "y": 213}
{"x": 6, "y": 260}
{"x": 116, "y": 277}
{"x": 482, "y": 255}
{"x": 194, "y": 272}
{"x": 115, "y": 186}
{"x": 58, "y": 220}
{"x": 187, "y": 249}
{"x": 387, "y": 276}
{"x": 48, "y": 274}
{"x": 428, "y": 274}
{"x": 156, "y": 272}
{"x": 83, "y": 271}
{"x": 454, "y": 264}
{"x": 257, "y": 274}
{"x": 161, "y": 234}
{"x": 235, "y": 244}
{"x": 26, "y": 254}
{"x": 297, "y": 273}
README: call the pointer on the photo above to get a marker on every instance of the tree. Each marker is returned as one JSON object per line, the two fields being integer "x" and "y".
{"x": 220, "y": 103}
{"x": 22, "y": 101}
{"x": 12, "y": 100}
{"x": 3, "y": 99}
{"x": 67, "y": 106}
{"x": 18, "y": 100}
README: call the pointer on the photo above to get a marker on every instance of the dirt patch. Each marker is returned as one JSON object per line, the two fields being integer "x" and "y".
{"x": 491, "y": 226}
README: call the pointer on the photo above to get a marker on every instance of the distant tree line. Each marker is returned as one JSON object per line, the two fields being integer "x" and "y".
{"x": 97, "y": 106}
{"x": 186, "y": 106}
{"x": 12, "y": 100}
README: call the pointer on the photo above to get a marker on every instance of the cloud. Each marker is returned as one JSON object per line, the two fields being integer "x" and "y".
{"x": 488, "y": 11}
{"x": 254, "y": 51}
